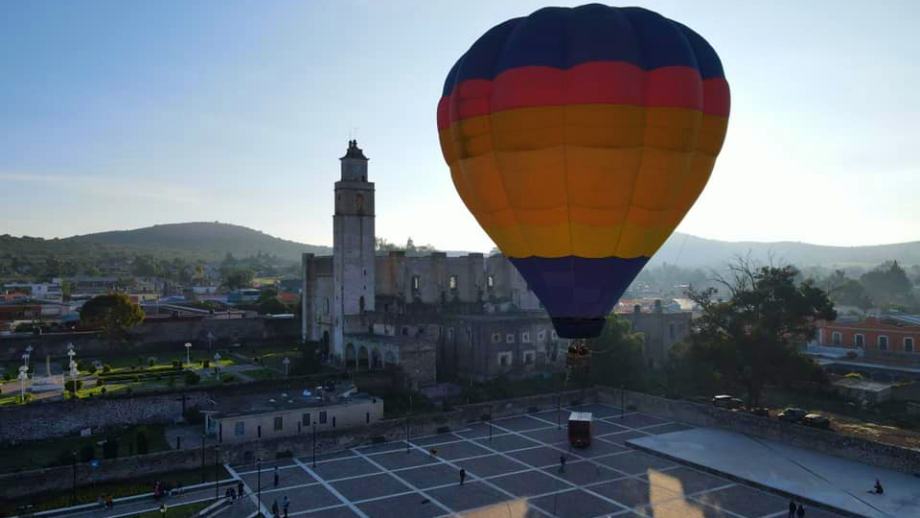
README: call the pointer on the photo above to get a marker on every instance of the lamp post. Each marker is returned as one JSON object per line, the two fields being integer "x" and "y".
{"x": 188, "y": 357}
{"x": 27, "y": 355}
{"x": 314, "y": 444}
{"x": 259, "y": 483}
{"x": 216, "y": 472}
{"x": 23, "y": 376}
{"x": 73, "y": 490}
{"x": 217, "y": 364}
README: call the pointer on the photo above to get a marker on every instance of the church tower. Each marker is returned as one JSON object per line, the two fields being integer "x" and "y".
{"x": 353, "y": 243}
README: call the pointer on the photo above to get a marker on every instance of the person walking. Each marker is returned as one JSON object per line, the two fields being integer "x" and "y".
{"x": 239, "y": 488}
{"x": 878, "y": 487}
{"x": 277, "y": 477}
{"x": 285, "y": 505}
{"x": 791, "y": 508}
{"x": 562, "y": 463}
{"x": 800, "y": 512}
{"x": 462, "y": 476}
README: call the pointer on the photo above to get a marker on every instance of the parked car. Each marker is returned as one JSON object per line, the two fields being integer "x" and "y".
{"x": 792, "y": 415}
{"x": 727, "y": 401}
{"x": 817, "y": 421}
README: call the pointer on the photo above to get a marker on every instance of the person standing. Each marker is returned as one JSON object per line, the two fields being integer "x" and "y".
{"x": 239, "y": 488}
{"x": 285, "y": 505}
{"x": 800, "y": 512}
{"x": 275, "y": 508}
{"x": 462, "y": 476}
{"x": 277, "y": 477}
{"x": 562, "y": 463}
{"x": 791, "y": 508}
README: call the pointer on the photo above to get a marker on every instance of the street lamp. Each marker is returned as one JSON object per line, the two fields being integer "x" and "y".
{"x": 217, "y": 364}
{"x": 216, "y": 472}
{"x": 188, "y": 349}
{"x": 28, "y": 355}
{"x": 259, "y": 487}
{"x": 23, "y": 376}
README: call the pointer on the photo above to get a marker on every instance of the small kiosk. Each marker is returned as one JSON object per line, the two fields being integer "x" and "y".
{"x": 580, "y": 429}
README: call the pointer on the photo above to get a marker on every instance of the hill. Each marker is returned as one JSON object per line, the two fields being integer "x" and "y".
{"x": 209, "y": 241}
{"x": 697, "y": 252}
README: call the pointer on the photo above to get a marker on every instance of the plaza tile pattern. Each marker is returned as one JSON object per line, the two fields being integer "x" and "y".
{"x": 514, "y": 473}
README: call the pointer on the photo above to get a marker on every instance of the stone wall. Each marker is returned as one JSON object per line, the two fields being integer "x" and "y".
{"x": 824, "y": 441}
{"x": 15, "y": 485}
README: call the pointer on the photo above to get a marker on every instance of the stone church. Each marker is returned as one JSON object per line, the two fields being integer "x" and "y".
{"x": 439, "y": 318}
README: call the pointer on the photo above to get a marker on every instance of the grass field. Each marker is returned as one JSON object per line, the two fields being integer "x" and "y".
{"x": 179, "y": 511}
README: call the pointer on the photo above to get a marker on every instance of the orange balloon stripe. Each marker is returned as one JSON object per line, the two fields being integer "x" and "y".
{"x": 584, "y": 180}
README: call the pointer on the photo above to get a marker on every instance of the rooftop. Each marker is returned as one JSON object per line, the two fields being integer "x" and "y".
{"x": 344, "y": 394}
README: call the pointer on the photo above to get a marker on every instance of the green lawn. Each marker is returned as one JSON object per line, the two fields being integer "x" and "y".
{"x": 90, "y": 494}
{"x": 51, "y": 452}
{"x": 262, "y": 374}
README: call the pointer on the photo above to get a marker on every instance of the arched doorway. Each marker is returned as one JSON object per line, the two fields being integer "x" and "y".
{"x": 350, "y": 355}
{"x": 363, "y": 358}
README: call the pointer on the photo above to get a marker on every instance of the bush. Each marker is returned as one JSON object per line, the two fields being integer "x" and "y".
{"x": 100, "y": 382}
{"x": 205, "y": 364}
{"x": 192, "y": 378}
{"x": 151, "y": 361}
{"x": 106, "y": 368}
{"x": 69, "y": 386}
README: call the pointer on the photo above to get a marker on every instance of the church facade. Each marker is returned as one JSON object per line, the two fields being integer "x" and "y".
{"x": 437, "y": 317}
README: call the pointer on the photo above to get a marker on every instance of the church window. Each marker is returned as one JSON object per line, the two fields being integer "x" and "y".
{"x": 450, "y": 334}
{"x": 509, "y": 338}
{"x": 504, "y": 359}
{"x": 416, "y": 282}
{"x": 361, "y": 304}
{"x": 452, "y": 282}
{"x": 359, "y": 203}
{"x": 836, "y": 338}
{"x": 883, "y": 343}
{"x": 529, "y": 357}
{"x": 490, "y": 282}
{"x": 908, "y": 344}
{"x": 859, "y": 340}
{"x": 553, "y": 335}
{"x": 541, "y": 335}
{"x": 525, "y": 337}
{"x": 496, "y": 338}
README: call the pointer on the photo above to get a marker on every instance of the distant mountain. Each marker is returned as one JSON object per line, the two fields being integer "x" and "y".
{"x": 211, "y": 240}
{"x": 697, "y": 252}
{"x": 207, "y": 241}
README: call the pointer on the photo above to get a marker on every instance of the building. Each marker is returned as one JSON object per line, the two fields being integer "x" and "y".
{"x": 288, "y": 415}
{"x": 45, "y": 291}
{"x": 887, "y": 338}
{"x": 661, "y": 329}
{"x": 368, "y": 310}
{"x": 864, "y": 391}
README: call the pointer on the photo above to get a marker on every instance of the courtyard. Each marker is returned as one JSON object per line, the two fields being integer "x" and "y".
{"x": 512, "y": 470}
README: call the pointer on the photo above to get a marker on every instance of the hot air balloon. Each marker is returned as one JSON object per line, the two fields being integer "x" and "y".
{"x": 579, "y": 138}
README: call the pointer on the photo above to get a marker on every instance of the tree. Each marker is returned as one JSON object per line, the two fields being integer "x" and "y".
{"x": 616, "y": 355}
{"x": 753, "y": 338}
{"x": 888, "y": 285}
{"x": 846, "y": 291}
{"x": 114, "y": 314}
{"x": 237, "y": 278}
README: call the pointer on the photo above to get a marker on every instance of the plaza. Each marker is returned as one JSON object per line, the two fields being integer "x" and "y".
{"x": 512, "y": 470}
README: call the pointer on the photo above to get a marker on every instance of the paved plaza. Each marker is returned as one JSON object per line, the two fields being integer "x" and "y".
{"x": 512, "y": 470}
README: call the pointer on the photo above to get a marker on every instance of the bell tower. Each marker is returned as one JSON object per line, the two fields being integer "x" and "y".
{"x": 353, "y": 243}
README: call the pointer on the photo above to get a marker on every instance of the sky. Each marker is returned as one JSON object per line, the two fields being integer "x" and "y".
{"x": 119, "y": 115}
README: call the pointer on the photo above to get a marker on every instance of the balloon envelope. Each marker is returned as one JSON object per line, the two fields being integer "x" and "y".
{"x": 579, "y": 138}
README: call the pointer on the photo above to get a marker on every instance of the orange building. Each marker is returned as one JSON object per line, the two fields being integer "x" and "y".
{"x": 893, "y": 337}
